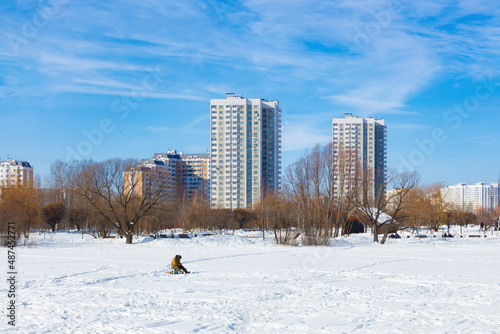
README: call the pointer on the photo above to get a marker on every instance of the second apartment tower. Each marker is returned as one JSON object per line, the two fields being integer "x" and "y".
{"x": 245, "y": 150}
{"x": 360, "y": 151}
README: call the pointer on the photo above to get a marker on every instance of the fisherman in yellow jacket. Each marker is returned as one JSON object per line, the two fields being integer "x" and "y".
{"x": 177, "y": 265}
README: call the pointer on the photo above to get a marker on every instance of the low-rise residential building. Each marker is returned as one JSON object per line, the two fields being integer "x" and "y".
{"x": 15, "y": 173}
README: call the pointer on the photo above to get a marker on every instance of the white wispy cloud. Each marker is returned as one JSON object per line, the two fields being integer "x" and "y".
{"x": 301, "y": 133}
{"x": 342, "y": 49}
{"x": 134, "y": 91}
{"x": 479, "y": 140}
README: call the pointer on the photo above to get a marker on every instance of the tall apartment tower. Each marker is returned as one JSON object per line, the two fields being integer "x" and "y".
{"x": 245, "y": 150}
{"x": 361, "y": 144}
{"x": 15, "y": 173}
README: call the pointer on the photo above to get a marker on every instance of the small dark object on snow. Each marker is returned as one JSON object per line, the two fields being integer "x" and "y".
{"x": 395, "y": 236}
{"x": 183, "y": 236}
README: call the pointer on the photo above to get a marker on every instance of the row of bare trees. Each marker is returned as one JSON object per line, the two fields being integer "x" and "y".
{"x": 427, "y": 208}
{"x": 323, "y": 193}
{"x": 21, "y": 205}
{"x": 93, "y": 197}
{"x": 101, "y": 197}
{"x": 327, "y": 188}
{"x": 202, "y": 217}
{"x": 28, "y": 208}
{"x": 127, "y": 202}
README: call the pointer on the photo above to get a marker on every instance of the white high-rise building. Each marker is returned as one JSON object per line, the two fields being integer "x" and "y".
{"x": 360, "y": 150}
{"x": 472, "y": 197}
{"x": 245, "y": 150}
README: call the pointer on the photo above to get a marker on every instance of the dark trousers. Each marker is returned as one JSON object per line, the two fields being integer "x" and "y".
{"x": 181, "y": 269}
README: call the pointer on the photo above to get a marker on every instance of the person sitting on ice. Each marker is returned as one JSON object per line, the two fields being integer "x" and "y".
{"x": 177, "y": 265}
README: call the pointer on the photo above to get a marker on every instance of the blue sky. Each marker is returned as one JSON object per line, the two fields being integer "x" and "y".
{"x": 133, "y": 78}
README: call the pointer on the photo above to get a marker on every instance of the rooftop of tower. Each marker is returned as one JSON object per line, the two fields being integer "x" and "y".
{"x": 350, "y": 115}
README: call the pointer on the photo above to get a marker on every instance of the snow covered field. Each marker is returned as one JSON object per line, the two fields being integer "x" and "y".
{"x": 245, "y": 285}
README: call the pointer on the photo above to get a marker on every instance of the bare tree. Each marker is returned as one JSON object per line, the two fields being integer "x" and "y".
{"x": 342, "y": 174}
{"x": 304, "y": 187}
{"x": 243, "y": 217}
{"x": 280, "y": 215}
{"x": 58, "y": 180}
{"x": 122, "y": 202}
{"x": 320, "y": 184}
{"x": 79, "y": 217}
{"x": 428, "y": 207}
{"x": 399, "y": 200}
{"x": 373, "y": 209}
{"x": 22, "y": 205}
{"x": 296, "y": 188}
{"x": 196, "y": 217}
{"x": 53, "y": 213}
{"x": 435, "y": 207}
{"x": 168, "y": 215}
{"x": 463, "y": 217}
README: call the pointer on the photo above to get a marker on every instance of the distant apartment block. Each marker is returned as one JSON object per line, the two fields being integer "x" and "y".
{"x": 15, "y": 173}
{"x": 245, "y": 150}
{"x": 360, "y": 151}
{"x": 472, "y": 197}
{"x": 147, "y": 175}
{"x": 190, "y": 174}
{"x": 394, "y": 198}
{"x": 184, "y": 176}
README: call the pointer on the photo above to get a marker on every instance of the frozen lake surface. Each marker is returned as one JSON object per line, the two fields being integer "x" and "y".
{"x": 67, "y": 284}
